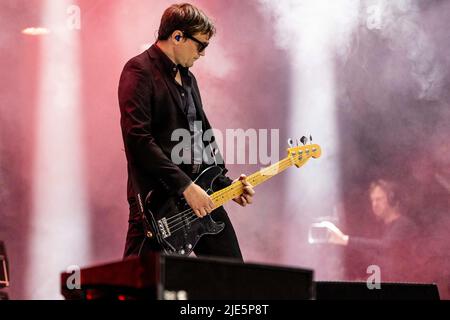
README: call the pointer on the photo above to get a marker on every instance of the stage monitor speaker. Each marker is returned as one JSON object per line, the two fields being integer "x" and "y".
{"x": 4, "y": 272}
{"x": 326, "y": 290}
{"x": 168, "y": 277}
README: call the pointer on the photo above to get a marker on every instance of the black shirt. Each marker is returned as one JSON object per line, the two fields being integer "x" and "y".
{"x": 190, "y": 109}
{"x": 394, "y": 252}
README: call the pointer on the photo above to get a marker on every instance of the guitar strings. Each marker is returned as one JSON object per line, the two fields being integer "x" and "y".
{"x": 178, "y": 218}
{"x": 188, "y": 222}
{"x": 186, "y": 212}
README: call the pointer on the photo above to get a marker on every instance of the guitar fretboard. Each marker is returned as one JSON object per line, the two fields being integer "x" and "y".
{"x": 237, "y": 188}
{"x": 297, "y": 156}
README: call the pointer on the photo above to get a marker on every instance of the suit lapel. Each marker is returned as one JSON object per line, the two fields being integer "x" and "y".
{"x": 172, "y": 89}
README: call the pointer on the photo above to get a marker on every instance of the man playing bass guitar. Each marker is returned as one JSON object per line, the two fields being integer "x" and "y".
{"x": 158, "y": 95}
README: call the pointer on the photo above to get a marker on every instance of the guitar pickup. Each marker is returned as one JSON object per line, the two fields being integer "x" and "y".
{"x": 164, "y": 228}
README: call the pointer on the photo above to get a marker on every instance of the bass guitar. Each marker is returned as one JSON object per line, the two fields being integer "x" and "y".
{"x": 174, "y": 224}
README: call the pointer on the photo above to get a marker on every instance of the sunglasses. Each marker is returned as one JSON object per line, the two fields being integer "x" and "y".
{"x": 201, "y": 46}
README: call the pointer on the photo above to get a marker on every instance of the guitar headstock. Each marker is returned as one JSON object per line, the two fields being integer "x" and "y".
{"x": 301, "y": 153}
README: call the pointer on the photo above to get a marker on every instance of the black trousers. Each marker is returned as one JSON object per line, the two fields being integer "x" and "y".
{"x": 222, "y": 245}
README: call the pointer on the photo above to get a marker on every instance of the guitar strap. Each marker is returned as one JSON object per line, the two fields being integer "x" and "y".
{"x": 138, "y": 195}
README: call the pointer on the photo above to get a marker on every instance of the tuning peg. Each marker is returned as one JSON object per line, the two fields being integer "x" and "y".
{"x": 290, "y": 143}
{"x": 304, "y": 140}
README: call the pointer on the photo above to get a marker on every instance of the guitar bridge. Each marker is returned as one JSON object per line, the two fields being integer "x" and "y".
{"x": 164, "y": 228}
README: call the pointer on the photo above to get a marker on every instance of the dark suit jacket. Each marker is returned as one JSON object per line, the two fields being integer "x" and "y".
{"x": 394, "y": 252}
{"x": 151, "y": 110}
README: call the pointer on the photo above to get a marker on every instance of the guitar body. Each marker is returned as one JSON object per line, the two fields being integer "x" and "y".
{"x": 174, "y": 224}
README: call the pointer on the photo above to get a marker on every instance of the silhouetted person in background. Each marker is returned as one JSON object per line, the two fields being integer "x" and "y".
{"x": 394, "y": 250}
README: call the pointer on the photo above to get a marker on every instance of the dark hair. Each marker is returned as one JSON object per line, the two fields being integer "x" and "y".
{"x": 389, "y": 187}
{"x": 184, "y": 17}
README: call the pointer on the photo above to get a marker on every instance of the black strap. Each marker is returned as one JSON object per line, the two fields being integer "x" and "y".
{"x": 141, "y": 204}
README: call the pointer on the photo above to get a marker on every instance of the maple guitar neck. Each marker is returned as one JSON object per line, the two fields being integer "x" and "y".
{"x": 237, "y": 188}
